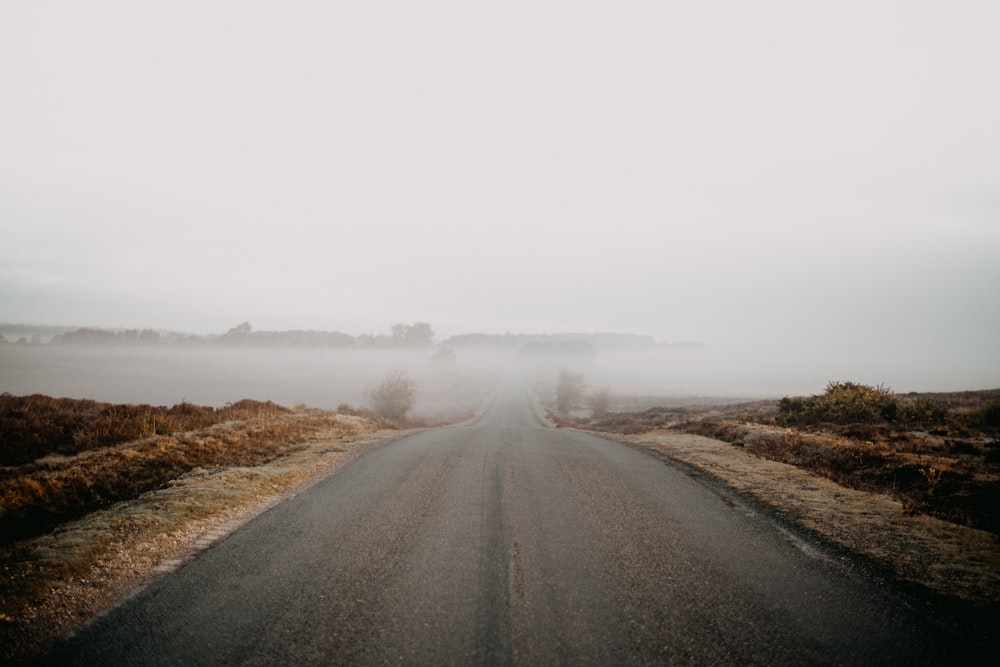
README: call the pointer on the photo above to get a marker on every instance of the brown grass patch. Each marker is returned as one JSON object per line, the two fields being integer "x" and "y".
{"x": 939, "y": 454}
{"x": 62, "y": 483}
{"x": 95, "y": 523}
{"x": 951, "y": 478}
{"x": 34, "y": 426}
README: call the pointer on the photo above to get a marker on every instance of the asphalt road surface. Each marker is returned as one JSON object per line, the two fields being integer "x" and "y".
{"x": 507, "y": 542}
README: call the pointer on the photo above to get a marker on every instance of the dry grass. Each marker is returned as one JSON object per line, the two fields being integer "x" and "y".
{"x": 80, "y": 529}
{"x": 61, "y": 483}
{"x": 939, "y": 454}
{"x": 953, "y": 477}
{"x": 918, "y": 493}
{"x": 36, "y": 425}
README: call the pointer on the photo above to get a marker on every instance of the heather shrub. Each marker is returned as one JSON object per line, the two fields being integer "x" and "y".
{"x": 35, "y": 426}
{"x": 989, "y": 415}
{"x": 841, "y": 403}
{"x": 923, "y": 411}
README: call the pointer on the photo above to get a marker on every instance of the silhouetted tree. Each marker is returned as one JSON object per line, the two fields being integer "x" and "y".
{"x": 418, "y": 334}
{"x": 241, "y": 330}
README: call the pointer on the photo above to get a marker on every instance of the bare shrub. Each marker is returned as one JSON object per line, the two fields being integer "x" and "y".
{"x": 569, "y": 390}
{"x": 393, "y": 397}
{"x": 600, "y": 401}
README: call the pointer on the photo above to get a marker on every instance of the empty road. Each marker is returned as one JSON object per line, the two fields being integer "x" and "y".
{"x": 507, "y": 542}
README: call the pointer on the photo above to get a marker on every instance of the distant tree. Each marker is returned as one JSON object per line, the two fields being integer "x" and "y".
{"x": 419, "y": 334}
{"x": 238, "y": 335}
{"x": 86, "y": 336}
{"x": 399, "y": 333}
{"x": 394, "y": 396}
{"x": 148, "y": 337}
{"x": 365, "y": 340}
{"x": 569, "y": 390}
{"x": 568, "y": 350}
{"x": 241, "y": 330}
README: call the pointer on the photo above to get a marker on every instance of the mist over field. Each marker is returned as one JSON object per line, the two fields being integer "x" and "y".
{"x": 809, "y": 190}
{"x": 317, "y": 378}
{"x": 326, "y": 378}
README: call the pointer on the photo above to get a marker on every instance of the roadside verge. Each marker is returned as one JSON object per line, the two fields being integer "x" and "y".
{"x": 56, "y": 582}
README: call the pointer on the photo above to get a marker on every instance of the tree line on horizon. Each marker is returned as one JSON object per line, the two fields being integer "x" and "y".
{"x": 417, "y": 335}
{"x": 413, "y": 336}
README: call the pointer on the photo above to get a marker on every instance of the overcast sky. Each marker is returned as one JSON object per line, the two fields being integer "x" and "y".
{"x": 778, "y": 177}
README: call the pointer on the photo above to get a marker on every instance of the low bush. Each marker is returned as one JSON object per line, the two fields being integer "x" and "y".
{"x": 841, "y": 403}
{"x": 858, "y": 404}
{"x": 922, "y": 411}
{"x": 393, "y": 397}
{"x": 988, "y": 415}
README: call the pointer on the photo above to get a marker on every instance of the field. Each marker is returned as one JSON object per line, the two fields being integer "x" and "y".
{"x": 323, "y": 378}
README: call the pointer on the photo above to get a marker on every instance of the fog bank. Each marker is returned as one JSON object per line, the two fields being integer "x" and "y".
{"x": 327, "y": 378}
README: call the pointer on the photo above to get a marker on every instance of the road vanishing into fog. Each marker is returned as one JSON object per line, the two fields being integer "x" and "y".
{"x": 507, "y": 542}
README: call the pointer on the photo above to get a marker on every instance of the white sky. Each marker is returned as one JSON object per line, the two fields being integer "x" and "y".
{"x": 773, "y": 176}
